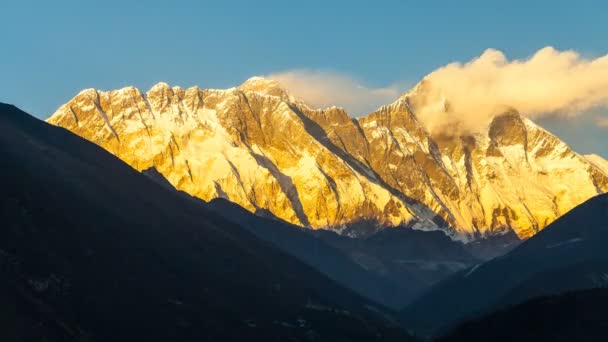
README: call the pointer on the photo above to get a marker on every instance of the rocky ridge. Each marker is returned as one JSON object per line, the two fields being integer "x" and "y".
{"x": 260, "y": 147}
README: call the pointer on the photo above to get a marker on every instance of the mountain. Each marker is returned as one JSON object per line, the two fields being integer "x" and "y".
{"x": 313, "y": 251}
{"x": 570, "y": 254}
{"x": 414, "y": 259}
{"x": 576, "y": 316}
{"x": 598, "y": 161}
{"x": 330, "y": 261}
{"x": 390, "y": 267}
{"x": 258, "y": 146}
{"x": 92, "y": 250}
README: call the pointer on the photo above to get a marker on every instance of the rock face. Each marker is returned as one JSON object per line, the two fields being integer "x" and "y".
{"x": 259, "y": 147}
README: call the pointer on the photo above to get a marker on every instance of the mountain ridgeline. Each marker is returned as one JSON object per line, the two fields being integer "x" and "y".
{"x": 206, "y": 221}
{"x": 259, "y": 147}
{"x": 570, "y": 254}
{"x": 390, "y": 267}
{"x": 92, "y": 250}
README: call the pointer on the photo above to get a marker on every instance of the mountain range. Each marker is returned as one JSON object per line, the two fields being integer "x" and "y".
{"x": 390, "y": 267}
{"x": 196, "y": 214}
{"x": 92, "y": 250}
{"x": 260, "y": 147}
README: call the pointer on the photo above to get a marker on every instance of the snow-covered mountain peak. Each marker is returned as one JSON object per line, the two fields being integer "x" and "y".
{"x": 264, "y": 86}
{"x": 419, "y": 89}
{"x": 87, "y": 92}
{"x": 264, "y": 150}
{"x": 508, "y": 129}
{"x": 160, "y": 86}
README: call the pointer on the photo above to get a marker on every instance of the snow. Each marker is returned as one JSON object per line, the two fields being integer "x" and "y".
{"x": 598, "y": 162}
{"x": 380, "y": 132}
{"x": 537, "y": 189}
{"x": 159, "y": 86}
{"x": 371, "y": 124}
{"x": 255, "y": 79}
{"x": 228, "y": 90}
{"x": 103, "y": 114}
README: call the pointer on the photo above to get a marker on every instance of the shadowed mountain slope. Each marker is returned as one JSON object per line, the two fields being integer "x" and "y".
{"x": 576, "y": 316}
{"x": 103, "y": 253}
{"x": 569, "y": 255}
{"x": 390, "y": 266}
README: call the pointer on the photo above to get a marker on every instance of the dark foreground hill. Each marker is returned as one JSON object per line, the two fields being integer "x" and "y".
{"x": 331, "y": 261}
{"x": 570, "y": 254}
{"x": 576, "y": 316}
{"x": 91, "y": 250}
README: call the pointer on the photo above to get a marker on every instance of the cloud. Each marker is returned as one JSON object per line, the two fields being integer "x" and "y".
{"x": 549, "y": 83}
{"x": 602, "y": 121}
{"x": 327, "y": 88}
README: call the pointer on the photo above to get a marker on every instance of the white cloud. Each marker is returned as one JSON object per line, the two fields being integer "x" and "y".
{"x": 549, "y": 83}
{"x": 464, "y": 97}
{"x": 327, "y": 88}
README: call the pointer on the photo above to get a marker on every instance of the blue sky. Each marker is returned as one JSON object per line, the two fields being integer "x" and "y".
{"x": 53, "y": 49}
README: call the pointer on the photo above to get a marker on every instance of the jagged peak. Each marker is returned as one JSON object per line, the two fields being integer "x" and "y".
{"x": 87, "y": 91}
{"x": 508, "y": 128}
{"x": 160, "y": 86}
{"x": 508, "y": 114}
{"x": 419, "y": 89}
{"x": 404, "y": 104}
{"x": 94, "y": 92}
{"x": 262, "y": 85}
{"x": 410, "y": 147}
{"x": 127, "y": 89}
{"x": 254, "y": 79}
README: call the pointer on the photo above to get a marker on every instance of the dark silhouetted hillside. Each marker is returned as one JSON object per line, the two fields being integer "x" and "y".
{"x": 93, "y": 250}
{"x": 576, "y": 316}
{"x": 570, "y": 254}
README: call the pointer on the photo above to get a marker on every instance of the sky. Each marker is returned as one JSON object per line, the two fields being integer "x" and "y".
{"x": 53, "y": 49}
